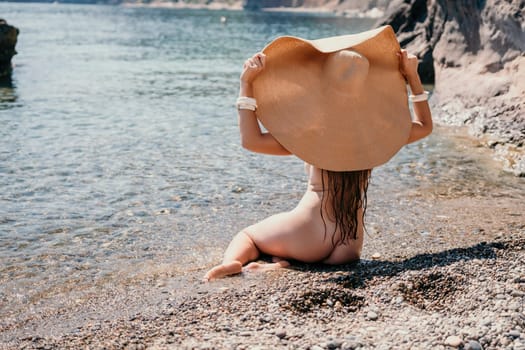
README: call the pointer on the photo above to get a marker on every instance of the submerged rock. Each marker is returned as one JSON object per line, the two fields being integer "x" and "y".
{"x": 474, "y": 52}
{"x": 8, "y": 37}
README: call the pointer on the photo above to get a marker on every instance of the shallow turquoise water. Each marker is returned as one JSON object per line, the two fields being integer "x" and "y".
{"x": 119, "y": 154}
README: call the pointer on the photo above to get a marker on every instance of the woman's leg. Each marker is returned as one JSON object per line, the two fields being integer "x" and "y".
{"x": 240, "y": 251}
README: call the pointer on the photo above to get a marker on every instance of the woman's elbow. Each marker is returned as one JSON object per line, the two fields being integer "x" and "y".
{"x": 428, "y": 129}
{"x": 249, "y": 144}
{"x": 419, "y": 131}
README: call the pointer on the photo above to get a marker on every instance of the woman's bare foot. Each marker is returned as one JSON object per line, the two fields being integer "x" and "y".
{"x": 223, "y": 270}
{"x": 277, "y": 263}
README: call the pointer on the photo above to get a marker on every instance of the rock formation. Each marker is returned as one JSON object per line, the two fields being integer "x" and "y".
{"x": 474, "y": 50}
{"x": 8, "y": 37}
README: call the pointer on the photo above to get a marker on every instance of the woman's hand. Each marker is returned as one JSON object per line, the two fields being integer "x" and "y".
{"x": 407, "y": 64}
{"x": 252, "y": 138}
{"x": 252, "y": 67}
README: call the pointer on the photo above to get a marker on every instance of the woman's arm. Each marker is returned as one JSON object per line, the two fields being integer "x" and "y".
{"x": 252, "y": 138}
{"x": 422, "y": 121}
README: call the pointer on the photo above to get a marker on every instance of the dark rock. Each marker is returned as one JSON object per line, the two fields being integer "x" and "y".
{"x": 8, "y": 37}
{"x": 414, "y": 21}
{"x": 334, "y": 344}
{"x": 474, "y": 52}
{"x": 281, "y": 334}
{"x": 473, "y": 345}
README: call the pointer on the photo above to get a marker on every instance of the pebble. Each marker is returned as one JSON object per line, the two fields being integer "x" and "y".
{"x": 453, "y": 341}
{"x": 350, "y": 345}
{"x": 517, "y": 293}
{"x": 265, "y": 319}
{"x": 473, "y": 345}
{"x": 237, "y": 189}
{"x": 334, "y": 344}
{"x": 504, "y": 341}
{"x": 514, "y": 334}
{"x": 398, "y": 300}
{"x": 376, "y": 256}
{"x": 163, "y": 212}
{"x": 281, "y": 334}
{"x": 372, "y": 316}
{"x": 486, "y": 322}
{"x": 514, "y": 307}
{"x": 520, "y": 279}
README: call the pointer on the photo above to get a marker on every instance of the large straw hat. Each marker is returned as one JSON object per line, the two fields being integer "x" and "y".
{"x": 338, "y": 103}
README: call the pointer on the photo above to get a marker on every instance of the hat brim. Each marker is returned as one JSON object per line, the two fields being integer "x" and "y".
{"x": 329, "y": 128}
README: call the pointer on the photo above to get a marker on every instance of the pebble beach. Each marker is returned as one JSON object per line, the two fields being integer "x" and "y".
{"x": 460, "y": 285}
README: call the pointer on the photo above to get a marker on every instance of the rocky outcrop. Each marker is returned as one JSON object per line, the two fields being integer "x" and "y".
{"x": 475, "y": 52}
{"x": 8, "y": 37}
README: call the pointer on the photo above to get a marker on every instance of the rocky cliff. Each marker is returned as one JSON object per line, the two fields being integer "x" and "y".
{"x": 475, "y": 52}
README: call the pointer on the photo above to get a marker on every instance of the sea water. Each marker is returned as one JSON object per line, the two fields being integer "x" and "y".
{"x": 119, "y": 146}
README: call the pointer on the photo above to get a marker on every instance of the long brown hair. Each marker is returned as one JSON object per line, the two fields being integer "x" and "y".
{"x": 343, "y": 195}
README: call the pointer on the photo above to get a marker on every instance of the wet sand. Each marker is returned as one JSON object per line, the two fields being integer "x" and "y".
{"x": 443, "y": 269}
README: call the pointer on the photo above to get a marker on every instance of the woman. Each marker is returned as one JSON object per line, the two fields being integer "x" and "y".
{"x": 327, "y": 224}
